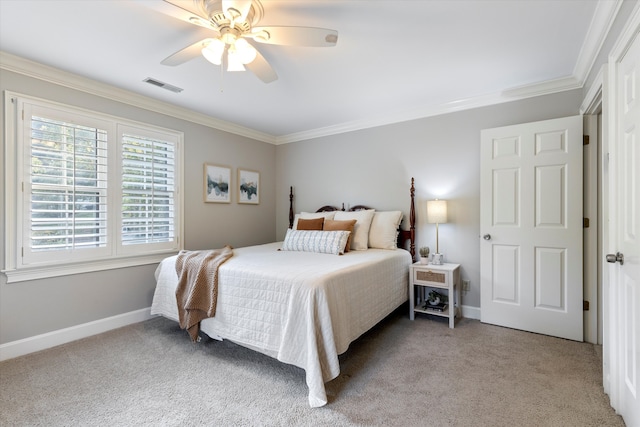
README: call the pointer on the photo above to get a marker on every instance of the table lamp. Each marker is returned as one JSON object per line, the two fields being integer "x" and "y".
{"x": 437, "y": 214}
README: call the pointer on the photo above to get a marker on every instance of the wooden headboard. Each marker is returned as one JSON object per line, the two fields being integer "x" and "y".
{"x": 403, "y": 235}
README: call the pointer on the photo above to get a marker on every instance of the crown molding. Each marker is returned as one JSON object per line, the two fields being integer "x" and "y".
{"x": 542, "y": 88}
{"x": 59, "y": 77}
{"x": 391, "y": 118}
{"x": 603, "y": 18}
{"x": 626, "y": 37}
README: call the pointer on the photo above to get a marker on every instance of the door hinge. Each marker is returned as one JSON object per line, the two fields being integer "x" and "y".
{"x": 585, "y": 305}
{"x": 585, "y": 222}
{"x": 585, "y": 139}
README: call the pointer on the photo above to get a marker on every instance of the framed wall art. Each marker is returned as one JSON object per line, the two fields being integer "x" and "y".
{"x": 217, "y": 184}
{"x": 248, "y": 186}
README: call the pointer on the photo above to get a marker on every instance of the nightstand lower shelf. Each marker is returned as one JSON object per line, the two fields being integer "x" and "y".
{"x": 419, "y": 309}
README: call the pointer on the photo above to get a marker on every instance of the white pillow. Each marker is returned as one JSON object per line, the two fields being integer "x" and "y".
{"x": 312, "y": 215}
{"x": 360, "y": 237}
{"x": 383, "y": 233}
{"x": 324, "y": 242}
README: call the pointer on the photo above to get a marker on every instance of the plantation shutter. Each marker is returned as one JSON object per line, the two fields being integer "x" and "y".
{"x": 87, "y": 191}
{"x": 66, "y": 189}
{"x": 148, "y": 189}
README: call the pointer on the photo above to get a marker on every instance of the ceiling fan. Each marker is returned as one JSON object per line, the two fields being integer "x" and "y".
{"x": 232, "y": 23}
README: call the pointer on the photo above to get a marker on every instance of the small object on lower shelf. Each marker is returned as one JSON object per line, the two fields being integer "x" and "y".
{"x": 438, "y": 307}
{"x": 436, "y": 298}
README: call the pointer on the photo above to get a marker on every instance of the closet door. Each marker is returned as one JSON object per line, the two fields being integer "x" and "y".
{"x": 531, "y": 227}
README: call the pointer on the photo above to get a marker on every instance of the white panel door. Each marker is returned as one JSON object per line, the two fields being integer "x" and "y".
{"x": 625, "y": 283}
{"x": 531, "y": 224}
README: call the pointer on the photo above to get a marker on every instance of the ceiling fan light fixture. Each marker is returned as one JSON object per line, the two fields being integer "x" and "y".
{"x": 244, "y": 51}
{"x": 234, "y": 21}
{"x": 213, "y": 51}
{"x": 233, "y": 61}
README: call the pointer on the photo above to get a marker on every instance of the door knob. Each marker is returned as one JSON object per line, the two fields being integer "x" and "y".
{"x": 487, "y": 237}
{"x": 618, "y": 257}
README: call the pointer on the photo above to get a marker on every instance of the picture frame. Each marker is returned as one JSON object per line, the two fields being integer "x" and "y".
{"x": 248, "y": 186}
{"x": 217, "y": 184}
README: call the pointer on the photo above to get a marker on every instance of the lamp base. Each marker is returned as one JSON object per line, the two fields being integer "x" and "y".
{"x": 438, "y": 259}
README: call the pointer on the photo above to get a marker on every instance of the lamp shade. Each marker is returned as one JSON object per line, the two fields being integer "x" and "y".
{"x": 246, "y": 53}
{"x": 437, "y": 211}
{"x": 213, "y": 51}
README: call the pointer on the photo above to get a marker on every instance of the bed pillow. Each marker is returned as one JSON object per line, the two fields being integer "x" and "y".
{"x": 348, "y": 225}
{"x": 324, "y": 242}
{"x": 360, "y": 238}
{"x": 383, "y": 233}
{"x": 312, "y": 215}
{"x": 310, "y": 224}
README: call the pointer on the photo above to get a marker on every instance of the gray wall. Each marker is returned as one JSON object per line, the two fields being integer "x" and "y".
{"x": 36, "y": 307}
{"x": 374, "y": 167}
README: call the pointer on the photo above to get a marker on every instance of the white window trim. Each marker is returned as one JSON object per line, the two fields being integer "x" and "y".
{"x": 13, "y": 172}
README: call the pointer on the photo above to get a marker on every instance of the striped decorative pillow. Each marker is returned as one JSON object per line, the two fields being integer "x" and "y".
{"x": 324, "y": 242}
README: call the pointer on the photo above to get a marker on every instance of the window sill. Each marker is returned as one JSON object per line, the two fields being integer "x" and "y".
{"x": 44, "y": 272}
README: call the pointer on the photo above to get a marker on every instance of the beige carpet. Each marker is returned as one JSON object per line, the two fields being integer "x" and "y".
{"x": 401, "y": 373}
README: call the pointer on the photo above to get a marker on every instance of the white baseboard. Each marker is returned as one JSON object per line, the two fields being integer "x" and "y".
{"x": 471, "y": 312}
{"x": 63, "y": 336}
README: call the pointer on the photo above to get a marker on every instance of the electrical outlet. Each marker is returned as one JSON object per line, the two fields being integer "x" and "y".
{"x": 466, "y": 285}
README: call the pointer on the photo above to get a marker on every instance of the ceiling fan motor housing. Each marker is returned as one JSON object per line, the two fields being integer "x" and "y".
{"x": 215, "y": 11}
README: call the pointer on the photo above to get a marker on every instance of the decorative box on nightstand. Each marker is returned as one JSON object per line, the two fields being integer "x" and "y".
{"x": 445, "y": 279}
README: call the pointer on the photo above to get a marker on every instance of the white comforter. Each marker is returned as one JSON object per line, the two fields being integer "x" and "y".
{"x": 301, "y": 308}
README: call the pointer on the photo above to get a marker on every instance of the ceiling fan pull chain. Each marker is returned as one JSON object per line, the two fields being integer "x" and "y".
{"x": 221, "y": 79}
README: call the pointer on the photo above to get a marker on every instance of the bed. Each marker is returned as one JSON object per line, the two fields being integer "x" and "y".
{"x": 298, "y": 306}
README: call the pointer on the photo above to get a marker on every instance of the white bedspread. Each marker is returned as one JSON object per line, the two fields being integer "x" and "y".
{"x": 301, "y": 308}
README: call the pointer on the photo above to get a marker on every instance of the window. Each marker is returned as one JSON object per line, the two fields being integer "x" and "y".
{"x": 91, "y": 191}
{"x": 148, "y": 188}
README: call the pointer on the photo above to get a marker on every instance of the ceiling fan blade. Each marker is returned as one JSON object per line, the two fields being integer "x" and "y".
{"x": 295, "y": 36}
{"x": 186, "y": 54}
{"x": 183, "y": 10}
{"x": 261, "y": 68}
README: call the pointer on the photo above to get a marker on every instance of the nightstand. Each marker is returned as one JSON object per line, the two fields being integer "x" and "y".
{"x": 444, "y": 279}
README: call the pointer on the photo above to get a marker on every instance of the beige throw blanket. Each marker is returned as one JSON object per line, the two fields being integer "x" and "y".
{"x": 197, "y": 290}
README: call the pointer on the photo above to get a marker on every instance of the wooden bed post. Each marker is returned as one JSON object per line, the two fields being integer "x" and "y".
{"x": 291, "y": 207}
{"x": 412, "y": 223}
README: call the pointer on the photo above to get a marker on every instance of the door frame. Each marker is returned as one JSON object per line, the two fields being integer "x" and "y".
{"x": 602, "y": 96}
{"x": 597, "y": 103}
{"x": 591, "y": 235}
{"x": 596, "y": 172}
